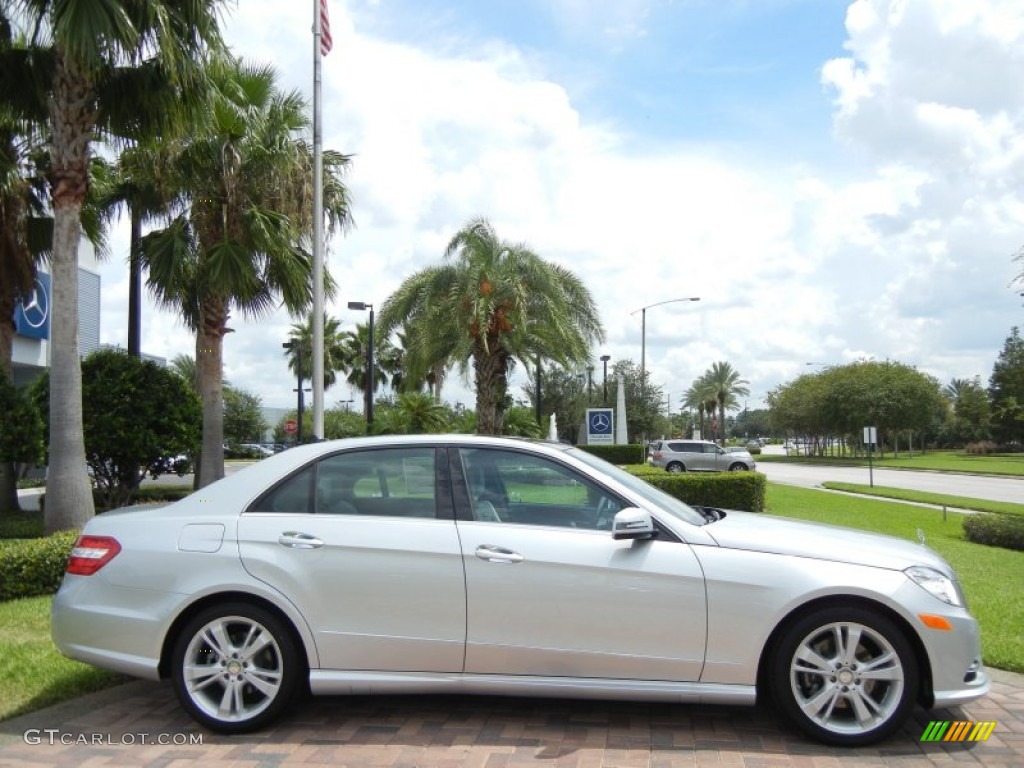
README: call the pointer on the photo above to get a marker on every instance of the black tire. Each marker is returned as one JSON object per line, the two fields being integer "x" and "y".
{"x": 737, "y": 467}
{"x": 849, "y": 698}
{"x": 675, "y": 466}
{"x": 256, "y": 687}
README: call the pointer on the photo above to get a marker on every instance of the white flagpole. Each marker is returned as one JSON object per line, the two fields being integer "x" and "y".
{"x": 318, "y": 236}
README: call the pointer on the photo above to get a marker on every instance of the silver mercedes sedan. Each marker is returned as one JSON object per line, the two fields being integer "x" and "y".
{"x": 496, "y": 566}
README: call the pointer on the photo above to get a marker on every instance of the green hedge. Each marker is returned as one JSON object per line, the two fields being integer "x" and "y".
{"x": 1005, "y": 531}
{"x": 617, "y": 454}
{"x": 147, "y": 494}
{"x": 725, "y": 490}
{"x": 31, "y": 567}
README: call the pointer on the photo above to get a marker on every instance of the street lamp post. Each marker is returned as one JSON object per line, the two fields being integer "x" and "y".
{"x": 604, "y": 360}
{"x": 362, "y": 305}
{"x": 643, "y": 338}
{"x": 297, "y": 346}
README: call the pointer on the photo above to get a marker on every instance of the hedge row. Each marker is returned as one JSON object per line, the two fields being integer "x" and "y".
{"x": 31, "y": 567}
{"x": 152, "y": 494}
{"x": 617, "y": 454}
{"x": 724, "y": 490}
{"x": 995, "y": 530}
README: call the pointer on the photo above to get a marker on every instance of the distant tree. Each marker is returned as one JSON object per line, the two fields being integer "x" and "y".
{"x": 136, "y": 414}
{"x": 969, "y": 416}
{"x": 335, "y": 350}
{"x": 723, "y": 383}
{"x": 21, "y": 438}
{"x": 490, "y": 304}
{"x": 563, "y": 393}
{"x": 522, "y": 422}
{"x": 1006, "y": 390}
{"x": 243, "y": 416}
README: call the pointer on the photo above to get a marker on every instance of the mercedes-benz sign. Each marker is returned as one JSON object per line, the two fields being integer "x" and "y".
{"x": 600, "y": 426}
{"x": 32, "y": 315}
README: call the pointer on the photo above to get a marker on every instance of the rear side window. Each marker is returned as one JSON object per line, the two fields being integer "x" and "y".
{"x": 390, "y": 482}
{"x": 387, "y": 482}
{"x": 293, "y": 494}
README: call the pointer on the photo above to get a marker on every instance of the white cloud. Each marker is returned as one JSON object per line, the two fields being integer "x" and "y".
{"x": 898, "y": 253}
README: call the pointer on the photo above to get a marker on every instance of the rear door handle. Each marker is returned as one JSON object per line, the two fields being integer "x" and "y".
{"x": 299, "y": 540}
{"x": 493, "y": 554}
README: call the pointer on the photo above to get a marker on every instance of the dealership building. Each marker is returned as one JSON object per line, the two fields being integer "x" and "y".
{"x": 30, "y": 355}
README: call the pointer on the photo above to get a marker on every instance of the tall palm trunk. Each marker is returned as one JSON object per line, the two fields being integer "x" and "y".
{"x": 69, "y": 501}
{"x": 209, "y": 382}
{"x": 491, "y": 374}
{"x": 8, "y": 480}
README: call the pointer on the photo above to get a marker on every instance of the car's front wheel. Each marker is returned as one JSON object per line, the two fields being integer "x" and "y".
{"x": 845, "y": 676}
{"x": 675, "y": 466}
{"x": 235, "y": 667}
{"x": 737, "y": 467}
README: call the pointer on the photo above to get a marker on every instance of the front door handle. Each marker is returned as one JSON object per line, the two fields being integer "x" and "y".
{"x": 299, "y": 540}
{"x": 493, "y": 554}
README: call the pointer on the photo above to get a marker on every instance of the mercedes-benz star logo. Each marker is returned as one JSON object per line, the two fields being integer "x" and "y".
{"x": 600, "y": 422}
{"x": 37, "y": 307}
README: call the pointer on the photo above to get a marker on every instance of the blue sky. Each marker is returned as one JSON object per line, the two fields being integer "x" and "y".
{"x": 836, "y": 179}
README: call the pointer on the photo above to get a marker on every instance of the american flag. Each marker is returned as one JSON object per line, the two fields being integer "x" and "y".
{"x": 325, "y": 30}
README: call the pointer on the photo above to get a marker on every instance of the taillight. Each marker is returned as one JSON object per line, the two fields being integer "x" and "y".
{"x": 91, "y": 553}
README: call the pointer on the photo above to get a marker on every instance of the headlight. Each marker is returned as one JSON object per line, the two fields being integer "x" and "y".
{"x": 938, "y": 584}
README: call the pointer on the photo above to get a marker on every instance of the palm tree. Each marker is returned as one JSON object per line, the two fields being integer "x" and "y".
{"x": 335, "y": 351}
{"x": 240, "y": 245}
{"x": 136, "y": 187}
{"x": 102, "y": 74}
{"x": 490, "y": 304}
{"x": 725, "y": 385}
{"x": 355, "y": 344}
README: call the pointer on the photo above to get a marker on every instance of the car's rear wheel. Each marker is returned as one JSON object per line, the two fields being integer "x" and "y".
{"x": 737, "y": 467}
{"x": 675, "y": 466}
{"x": 236, "y": 667}
{"x": 845, "y": 676}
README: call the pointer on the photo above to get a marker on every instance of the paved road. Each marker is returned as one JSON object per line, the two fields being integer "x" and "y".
{"x": 973, "y": 486}
{"x": 483, "y": 732}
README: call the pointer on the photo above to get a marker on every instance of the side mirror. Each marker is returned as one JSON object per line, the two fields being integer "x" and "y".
{"x": 632, "y": 523}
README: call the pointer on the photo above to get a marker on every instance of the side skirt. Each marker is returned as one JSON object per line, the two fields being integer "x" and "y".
{"x": 336, "y": 683}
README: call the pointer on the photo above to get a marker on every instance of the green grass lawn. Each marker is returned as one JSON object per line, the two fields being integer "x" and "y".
{"x": 992, "y": 578}
{"x": 33, "y": 674}
{"x": 944, "y": 461}
{"x": 939, "y": 499}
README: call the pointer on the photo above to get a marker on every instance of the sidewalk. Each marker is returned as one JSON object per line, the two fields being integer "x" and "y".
{"x": 109, "y": 728}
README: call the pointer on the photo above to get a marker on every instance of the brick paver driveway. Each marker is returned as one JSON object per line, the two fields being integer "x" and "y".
{"x": 109, "y": 728}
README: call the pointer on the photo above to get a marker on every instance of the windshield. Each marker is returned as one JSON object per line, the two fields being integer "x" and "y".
{"x": 657, "y": 498}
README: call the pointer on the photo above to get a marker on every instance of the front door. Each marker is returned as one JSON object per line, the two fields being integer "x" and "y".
{"x": 550, "y": 593}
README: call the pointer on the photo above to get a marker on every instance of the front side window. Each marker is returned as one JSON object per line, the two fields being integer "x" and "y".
{"x": 511, "y": 487}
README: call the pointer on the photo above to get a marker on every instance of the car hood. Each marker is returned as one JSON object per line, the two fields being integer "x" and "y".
{"x": 798, "y": 538}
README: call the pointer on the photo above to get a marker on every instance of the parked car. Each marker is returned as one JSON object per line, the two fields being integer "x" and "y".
{"x": 257, "y": 449}
{"x": 700, "y": 456}
{"x": 455, "y": 564}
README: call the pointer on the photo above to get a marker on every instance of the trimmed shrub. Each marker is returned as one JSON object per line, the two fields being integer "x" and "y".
{"x": 995, "y": 530}
{"x": 725, "y": 490}
{"x": 31, "y": 567}
{"x": 981, "y": 448}
{"x": 617, "y": 454}
{"x": 156, "y": 494}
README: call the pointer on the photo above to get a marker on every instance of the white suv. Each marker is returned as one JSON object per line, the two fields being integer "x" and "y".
{"x": 699, "y": 456}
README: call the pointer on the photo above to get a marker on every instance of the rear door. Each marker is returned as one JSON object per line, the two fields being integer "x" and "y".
{"x": 364, "y": 544}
